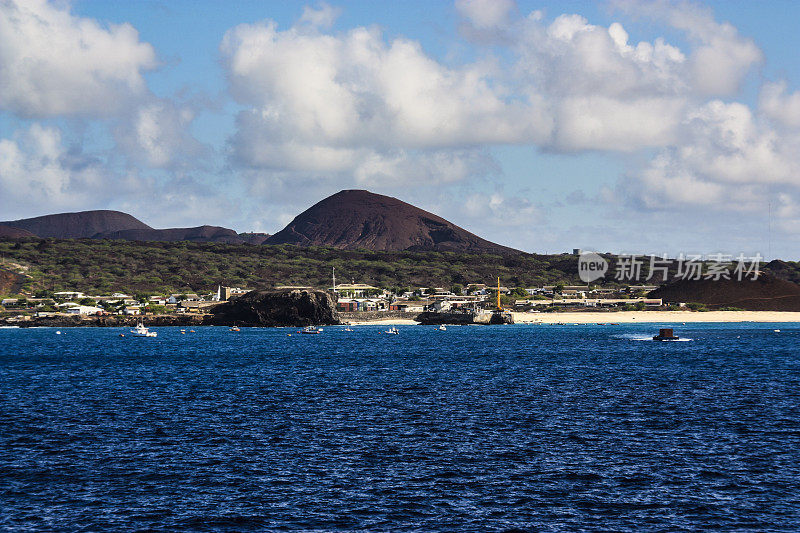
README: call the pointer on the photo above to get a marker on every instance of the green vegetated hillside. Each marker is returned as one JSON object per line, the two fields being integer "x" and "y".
{"x": 97, "y": 266}
{"x": 104, "y": 266}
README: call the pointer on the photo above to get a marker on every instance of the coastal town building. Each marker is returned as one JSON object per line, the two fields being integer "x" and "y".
{"x": 83, "y": 310}
{"x": 356, "y": 290}
{"x": 68, "y": 295}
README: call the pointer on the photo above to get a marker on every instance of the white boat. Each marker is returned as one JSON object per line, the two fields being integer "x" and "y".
{"x": 442, "y": 327}
{"x": 141, "y": 331}
{"x": 310, "y": 330}
{"x": 393, "y": 331}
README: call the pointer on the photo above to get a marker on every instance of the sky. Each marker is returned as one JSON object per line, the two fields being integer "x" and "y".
{"x": 624, "y": 126}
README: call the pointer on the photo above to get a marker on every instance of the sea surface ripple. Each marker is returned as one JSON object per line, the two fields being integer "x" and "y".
{"x": 493, "y": 428}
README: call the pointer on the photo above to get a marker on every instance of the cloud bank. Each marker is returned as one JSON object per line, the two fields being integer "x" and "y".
{"x": 319, "y": 108}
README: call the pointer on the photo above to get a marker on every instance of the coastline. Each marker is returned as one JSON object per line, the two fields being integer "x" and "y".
{"x": 625, "y": 317}
{"x": 619, "y": 317}
{"x": 634, "y": 317}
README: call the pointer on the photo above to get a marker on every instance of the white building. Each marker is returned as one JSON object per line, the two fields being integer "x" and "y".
{"x": 83, "y": 310}
{"x": 68, "y": 295}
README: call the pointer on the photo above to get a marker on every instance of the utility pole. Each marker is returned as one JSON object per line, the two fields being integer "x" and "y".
{"x": 334, "y": 279}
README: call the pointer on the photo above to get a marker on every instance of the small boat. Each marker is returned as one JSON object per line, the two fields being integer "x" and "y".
{"x": 442, "y": 327}
{"x": 58, "y": 332}
{"x": 393, "y": 331}
{"x": 235, "y": 328}
{"x": 141, "y": 331}
{"x": 348, "y": 329}
{"x": 665, "y": 334}
{"x": 776, "y": 330}
{"x": 309, "y": 330}
{"x": 183, "y": 332}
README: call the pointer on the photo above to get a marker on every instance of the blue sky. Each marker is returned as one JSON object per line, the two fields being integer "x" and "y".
{"x": 623, "y": 126}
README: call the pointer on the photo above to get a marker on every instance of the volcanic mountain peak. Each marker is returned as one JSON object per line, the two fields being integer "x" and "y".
{"x": 353, "y": 219}
{"x": 80, "y": 225}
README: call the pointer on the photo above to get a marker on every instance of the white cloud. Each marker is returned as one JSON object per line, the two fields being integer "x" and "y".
{"x": 319, "y": 101}
{"x": 721, "y": 57}
{"x": 37, "y": 169}
{"x": 356, "y": 89}
{"x": 778, "y": 106}
{"x": 329, "y": 110}
{"x": 42, "y": 172}
{"x": 322, "y": 17}
{"x": 362, "y": 109}
{"x": 157, "y": 134}
{"x": 486, "y": 14}
{"x": 728, "y": 159}
{"x": 53, "y": 63}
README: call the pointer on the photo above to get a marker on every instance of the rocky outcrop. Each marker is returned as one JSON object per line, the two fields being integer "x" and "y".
{"x": 282, "y": 307}
{"x": 429, "y": 318}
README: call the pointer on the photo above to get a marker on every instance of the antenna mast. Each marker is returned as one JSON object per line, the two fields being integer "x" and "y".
{"x": 334, "y": 279}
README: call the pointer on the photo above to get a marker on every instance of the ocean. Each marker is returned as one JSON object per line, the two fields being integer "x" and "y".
{"x": 477, "y": 428}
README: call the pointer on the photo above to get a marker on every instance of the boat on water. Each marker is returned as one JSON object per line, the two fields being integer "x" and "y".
{"x": 393, "y": 331}
{"x": 235, "y": 328}
{"x": 348, "y": 329}
{"x": 310, "y": 330}
{"x": 442, "y": 327}
{"x": 665, "y": 334}
{"x": 141, "y": 331}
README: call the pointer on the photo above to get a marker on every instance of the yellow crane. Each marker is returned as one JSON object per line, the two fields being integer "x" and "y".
{"x": 499, "y": 307}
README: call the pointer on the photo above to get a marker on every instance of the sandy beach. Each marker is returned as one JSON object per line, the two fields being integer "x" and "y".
{"x": 627, "y": 317}
{"x": 624, "y": 317}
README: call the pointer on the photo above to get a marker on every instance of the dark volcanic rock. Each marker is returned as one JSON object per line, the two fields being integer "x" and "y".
{"x": 354, "y": 219}
{"x": 282, "y": 307}
{"x": 501, "y": 318}
{"x": 198, "y": 234}
{"x": 79, "y": 225}
{"x": 766, "y": 293}
{"x": 430, "y": 318}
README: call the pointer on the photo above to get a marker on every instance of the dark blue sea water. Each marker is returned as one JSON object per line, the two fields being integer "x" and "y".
{"x": 527, "y": 428}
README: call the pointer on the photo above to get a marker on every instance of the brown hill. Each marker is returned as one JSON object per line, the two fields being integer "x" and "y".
{"x": 354, "y": 219}
{"x": 765, "y": 293}
{"x": 8, "y": 232}
{"x": 11, "y": 282}
{"x": 198, "y": 234}
{"x": 78, "y": 225}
